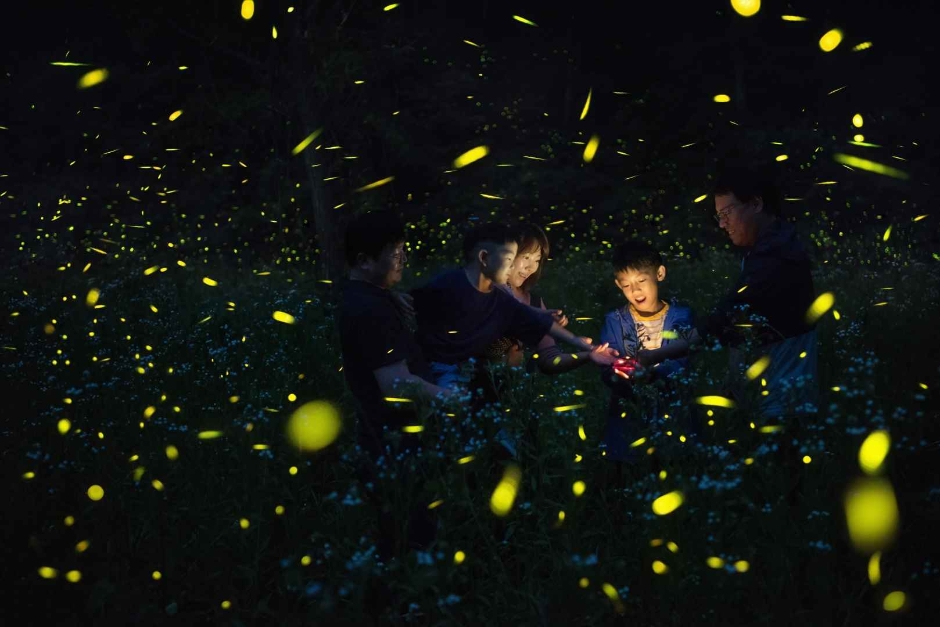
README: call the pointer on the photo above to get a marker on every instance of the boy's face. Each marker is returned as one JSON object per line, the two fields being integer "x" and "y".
{"x": 496, "y": 261}
{"x": 525, "y": 264}
{"x": 641, "y": 287}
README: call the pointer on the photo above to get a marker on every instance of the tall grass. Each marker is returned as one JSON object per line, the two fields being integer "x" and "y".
{"x": 314, "y": 563}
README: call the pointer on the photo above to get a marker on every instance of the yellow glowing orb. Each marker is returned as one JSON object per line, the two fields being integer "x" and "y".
{"x": 873, "y": 451}
{"x": 831, "y": 40}
{"x": 746, "y": 8}
{"x": 314, "y": 426}
{"x": 821, "y": 305}
{"x": 96, "y": 492}
{"x": 894, "y": 601}
{"x": 505, "y": 493}
{"x": 871, "y": 512}
{"x": 668, "y": 503}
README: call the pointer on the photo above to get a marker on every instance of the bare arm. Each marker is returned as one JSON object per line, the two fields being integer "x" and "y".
{"x": 387, "y": 376}
{"x": 561, "y": 334}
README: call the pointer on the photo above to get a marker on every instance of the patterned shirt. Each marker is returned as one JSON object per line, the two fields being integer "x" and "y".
{"x": 649, "y": 327}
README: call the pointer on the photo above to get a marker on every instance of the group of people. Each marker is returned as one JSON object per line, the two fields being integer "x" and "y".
{"x": 488, "y": 310}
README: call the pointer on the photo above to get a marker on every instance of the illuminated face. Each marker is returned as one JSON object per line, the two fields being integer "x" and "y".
{"x": 524, "y": 266}
{"x": 738, "y": 219}
{"x": 496, "y": 260}
{"x": 641, "y": 287}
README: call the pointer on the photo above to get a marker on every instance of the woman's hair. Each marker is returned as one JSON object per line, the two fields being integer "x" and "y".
{"x": 530, "y": 237}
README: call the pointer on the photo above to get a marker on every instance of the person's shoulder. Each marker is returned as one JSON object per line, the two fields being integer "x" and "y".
{"x": 363, "y": 298}
{"x": 680, "y": 311}
{"x": 781, "y": 241}
{"x": 615, "y": 315}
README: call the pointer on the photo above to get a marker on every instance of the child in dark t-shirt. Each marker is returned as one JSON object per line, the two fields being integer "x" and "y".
{"x": 460, "y": 313}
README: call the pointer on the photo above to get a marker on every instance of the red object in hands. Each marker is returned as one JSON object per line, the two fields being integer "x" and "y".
{"x": 627, "y": 366}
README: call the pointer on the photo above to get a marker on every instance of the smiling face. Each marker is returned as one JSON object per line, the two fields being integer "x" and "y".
{"x": 525, "y": 265}
{"x": 641, "y": 287}
{"x": 739, "y": 219}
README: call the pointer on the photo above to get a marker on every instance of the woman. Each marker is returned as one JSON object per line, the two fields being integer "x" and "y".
{"x": 523, "y": 277}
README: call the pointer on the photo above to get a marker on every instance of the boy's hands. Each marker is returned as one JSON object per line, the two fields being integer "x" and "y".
{"x": 628, "y": 369}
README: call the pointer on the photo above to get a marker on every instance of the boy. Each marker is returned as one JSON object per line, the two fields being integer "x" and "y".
{"x": 460, "y": 313}
{"x": 645, "y": 323}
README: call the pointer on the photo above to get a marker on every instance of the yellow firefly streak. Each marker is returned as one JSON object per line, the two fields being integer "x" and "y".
{"x": 302, "y": 145}
{"x": 821, "y": 305}
{"x": 591, "y": 149}
{"x": 587, "y": 105}
{"x": 524, "y": 21}
{"x": 378, "y": 183}
{"x": 474, "y": 154}
{"x": 870, "y": 166}
{"x": 715, "y": 401}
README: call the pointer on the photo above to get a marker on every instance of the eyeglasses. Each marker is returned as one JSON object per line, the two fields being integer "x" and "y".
{"x": 722, "y": 214}
{"x": 400, "y": 256}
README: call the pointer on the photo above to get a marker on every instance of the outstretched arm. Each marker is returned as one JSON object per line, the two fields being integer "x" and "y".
{"x": 561, "y": 334}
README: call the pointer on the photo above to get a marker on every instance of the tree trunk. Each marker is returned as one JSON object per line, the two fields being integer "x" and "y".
{"x": 326, "y": 229}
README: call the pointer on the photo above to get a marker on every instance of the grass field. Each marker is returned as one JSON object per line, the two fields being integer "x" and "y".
{"x": 244, "y": 529}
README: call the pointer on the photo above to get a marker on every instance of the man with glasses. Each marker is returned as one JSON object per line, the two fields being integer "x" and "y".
{"x": 775, "y": 287}
{"x": 769, "y": 301}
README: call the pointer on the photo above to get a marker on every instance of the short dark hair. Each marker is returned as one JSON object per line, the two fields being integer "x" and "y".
{"x": 748, "y": 181}
{"x": 531, "y": 237}
{"x": 492, "y": 232}
{"x": 370, "y": 233}
{"x": 636, "y": 255}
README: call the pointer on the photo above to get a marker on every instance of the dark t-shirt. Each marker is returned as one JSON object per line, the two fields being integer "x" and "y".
{"x": 373, "y": 334}
{"x": 776, "y": 283}
{"x": 456, "y": 321}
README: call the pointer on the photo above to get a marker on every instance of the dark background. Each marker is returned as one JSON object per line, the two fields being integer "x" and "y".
{"x": 249, "y": 97}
